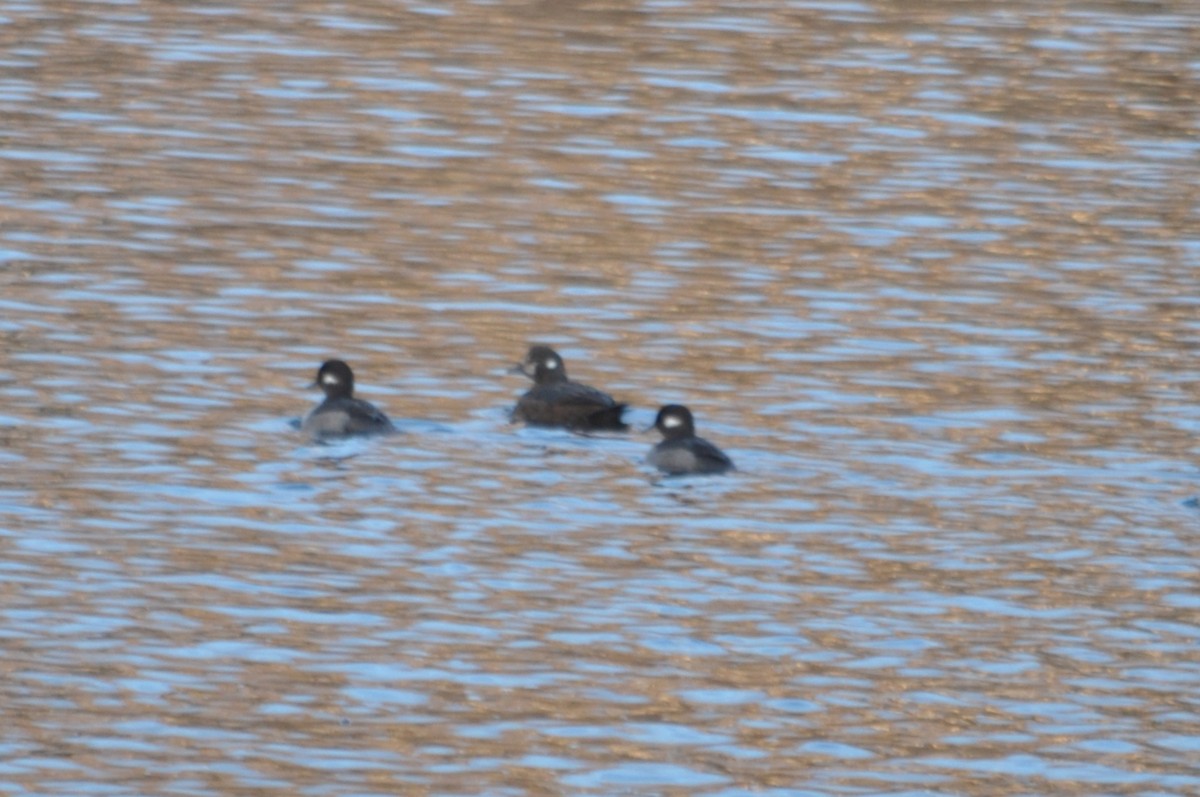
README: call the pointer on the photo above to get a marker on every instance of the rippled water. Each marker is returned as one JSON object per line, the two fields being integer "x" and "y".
{"x": 926, "y": 271}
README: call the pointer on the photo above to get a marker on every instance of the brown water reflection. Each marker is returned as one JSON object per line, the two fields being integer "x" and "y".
{"x": 925, "y": 271}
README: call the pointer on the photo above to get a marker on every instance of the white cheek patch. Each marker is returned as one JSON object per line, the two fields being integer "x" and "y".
{"x": 671, "y": 421}
{"x": 329, "y": 379}
{"x": 550, "y": 365}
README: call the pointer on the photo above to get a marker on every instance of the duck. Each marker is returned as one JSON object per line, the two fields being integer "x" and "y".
{"x": 554, "y": 400}
{"x": 341, "y": 414}
{"x": 681, "y": 452}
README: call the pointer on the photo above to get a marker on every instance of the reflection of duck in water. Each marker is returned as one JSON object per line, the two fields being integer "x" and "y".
{"x": 681, "y": 452}
{"x": 554, "y": 400}
{"x": 340, "y": 413}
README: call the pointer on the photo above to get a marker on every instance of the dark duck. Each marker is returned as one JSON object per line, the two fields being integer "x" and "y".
{"x": 341, "y": 414}
{"x": 681, "y": 452}
{"x": 554, "y": 400}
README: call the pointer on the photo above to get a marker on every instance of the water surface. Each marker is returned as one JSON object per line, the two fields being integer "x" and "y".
{"x": 926, "y": 271}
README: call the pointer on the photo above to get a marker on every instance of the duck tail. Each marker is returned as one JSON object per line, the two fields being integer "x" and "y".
{"x": 609, "y": 419}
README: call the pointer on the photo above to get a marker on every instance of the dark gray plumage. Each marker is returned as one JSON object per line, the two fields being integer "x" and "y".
{"x": 681, "y": 451}
{"x": 554, "y": 400}
{"x": 340, "y": 413}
